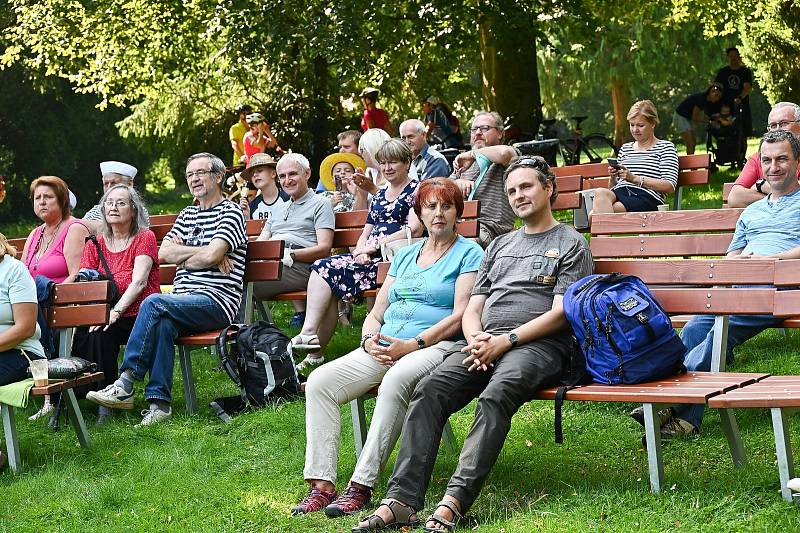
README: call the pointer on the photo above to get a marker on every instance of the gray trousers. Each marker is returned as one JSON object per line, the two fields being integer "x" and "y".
{"x": 294, "y": 278}
{"x": 514, "y": 380}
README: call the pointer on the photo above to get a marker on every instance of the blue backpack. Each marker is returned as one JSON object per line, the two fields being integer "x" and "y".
{"x": 624, "y": 334}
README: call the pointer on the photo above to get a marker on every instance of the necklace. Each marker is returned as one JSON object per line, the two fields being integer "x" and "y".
{"x": 45, "y": 241}
{"x": 447, "y": 249}
{"x": 112, "y": 244}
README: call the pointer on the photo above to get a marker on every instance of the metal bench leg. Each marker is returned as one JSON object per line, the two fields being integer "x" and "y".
{"x": 783, "y": 449}
{"x": 449, "y": 437}
{"x": 731, "y": 429}
{"x": 263, "y": 311}
{"x": 676, "y": 204}
{"x": 76, "y": 417}
{"x": 652, "y": 433}
{"x": 359, "y": 424}
{"x": 719, "y": 348}
{"x": 10, "y": 431}
{"x": 188, "y": 379}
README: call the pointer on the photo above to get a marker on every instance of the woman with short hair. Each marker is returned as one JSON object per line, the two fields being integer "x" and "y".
{"x": 415, "y": 321}
{"x": 647, "y": 168}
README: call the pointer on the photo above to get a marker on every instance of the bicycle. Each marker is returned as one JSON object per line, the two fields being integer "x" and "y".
{"x": 595, "y": 146}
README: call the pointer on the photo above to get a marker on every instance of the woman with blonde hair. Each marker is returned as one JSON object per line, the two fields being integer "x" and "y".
{"x": 370, "y": 180}
{"x": 647, "y": 168}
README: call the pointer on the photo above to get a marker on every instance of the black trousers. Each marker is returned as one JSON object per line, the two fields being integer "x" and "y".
{"x": 102, "y": 347}
{"x": 13, "y": 366}
{"x": 514, "y": 380}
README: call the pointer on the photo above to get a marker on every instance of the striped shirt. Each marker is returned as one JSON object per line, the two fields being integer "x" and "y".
{"x": 660, "y": 162}
{"x": 198, "y": 227}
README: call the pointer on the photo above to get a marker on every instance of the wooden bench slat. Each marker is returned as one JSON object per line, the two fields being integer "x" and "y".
{"x": 159, "y": 220}
{"x": 715, "y": 301}
{"x": 207, "y": 338}
{"x": 78, "y": 315}
{"x": 80, "y": 293}
{"x": 661, "y": 245}
{"x": 566, "y": 200}
{"x": 472, "y": 208}
{"x": 351, "y": 219}
{"x": 58, "y": 386}
{"x": 571, "y": 183}
{"x": 263, "y": 271}
{"x": 694, "y": 161}
{"x": 705, "y": 220}
{"x": 264, "y": 250}
{"x": 694, "y": 272}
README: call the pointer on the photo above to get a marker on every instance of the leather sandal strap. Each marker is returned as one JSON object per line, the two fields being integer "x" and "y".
{"x": 453, "y": 509}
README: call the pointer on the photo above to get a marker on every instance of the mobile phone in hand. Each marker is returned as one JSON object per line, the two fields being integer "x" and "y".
{"x": 612, "y": 162}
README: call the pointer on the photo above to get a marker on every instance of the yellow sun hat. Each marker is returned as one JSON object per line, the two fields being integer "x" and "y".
{"x": 326, "y": 168}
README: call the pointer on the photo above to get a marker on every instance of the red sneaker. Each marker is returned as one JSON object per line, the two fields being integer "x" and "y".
{"x": 352, "y": 500}
{"x": 314, "y": 501}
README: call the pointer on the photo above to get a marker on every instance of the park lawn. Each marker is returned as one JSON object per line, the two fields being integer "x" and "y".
{"x": 195, "y": 473}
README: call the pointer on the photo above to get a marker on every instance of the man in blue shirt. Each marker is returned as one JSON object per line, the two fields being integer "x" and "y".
{"x": 769, "y": 227}
{"x": 428, "y": 162}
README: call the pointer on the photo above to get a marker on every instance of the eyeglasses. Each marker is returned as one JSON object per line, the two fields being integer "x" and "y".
{"x": 118, "y": 204}
{"x": 198, "y": 173}
{"x": 482, "y": 129}
{"x": 780, "y": 125}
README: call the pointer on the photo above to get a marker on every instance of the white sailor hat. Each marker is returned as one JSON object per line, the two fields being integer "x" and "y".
{"x": 106, "y": 167}
{"x": 73, "y": 201}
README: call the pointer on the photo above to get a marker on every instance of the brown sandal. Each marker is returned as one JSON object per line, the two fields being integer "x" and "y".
{"x": 448, "y": 525}
{"x": 403, "y": 516}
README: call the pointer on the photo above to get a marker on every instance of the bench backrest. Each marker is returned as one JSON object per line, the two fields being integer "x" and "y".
{"x": 159, "y": 220}
{"x": 350, "y": 224}
{"x": 726, "y": 191}
{"x": 77, "y": 304}
{"x": 252, "y": 229}
{"x": 692, "y": 170}
{"x": 19, "y": 244}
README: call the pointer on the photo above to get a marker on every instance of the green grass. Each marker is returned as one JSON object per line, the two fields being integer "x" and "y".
{"x": 195, "y": 473}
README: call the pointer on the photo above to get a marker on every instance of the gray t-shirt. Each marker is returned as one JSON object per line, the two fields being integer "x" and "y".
{"x": 296, "y": 223}
{"x": 521, "y": 273}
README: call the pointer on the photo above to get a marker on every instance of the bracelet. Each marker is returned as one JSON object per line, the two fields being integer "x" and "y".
{"x": 115, "y": 310}
{"x": 641, "y": 181}
{"x": 364, "y": 339}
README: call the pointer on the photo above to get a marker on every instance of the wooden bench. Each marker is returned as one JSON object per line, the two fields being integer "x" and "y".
{"x": 692, "y": 170}
{"x": 160, "y": 220}
{"x": 779, "y": 394}
{"x": 71, "y": 305}
{"x": 726, "y": 192}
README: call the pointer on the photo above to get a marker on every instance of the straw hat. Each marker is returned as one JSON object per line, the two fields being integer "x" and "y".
{"x": 258, "y": 160}
{"x": 326, "y": 168}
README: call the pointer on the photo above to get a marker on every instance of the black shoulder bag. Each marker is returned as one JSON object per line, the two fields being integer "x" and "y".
{"x": 108, "y": 276}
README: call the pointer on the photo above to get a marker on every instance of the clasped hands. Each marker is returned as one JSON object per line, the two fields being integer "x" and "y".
{"x": 484, "y": 349}
{"x": 390, "y": 349}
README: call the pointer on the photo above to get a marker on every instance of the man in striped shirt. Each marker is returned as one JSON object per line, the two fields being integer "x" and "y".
{"x": 208, "y": 244}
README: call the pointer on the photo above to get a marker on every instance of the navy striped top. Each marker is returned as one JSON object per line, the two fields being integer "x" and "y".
{"x": 660, "y": 161}
{"x": 198, "y": 227}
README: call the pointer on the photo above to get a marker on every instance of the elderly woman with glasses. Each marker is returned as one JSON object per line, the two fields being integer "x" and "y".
{"x": 128, "y": 249}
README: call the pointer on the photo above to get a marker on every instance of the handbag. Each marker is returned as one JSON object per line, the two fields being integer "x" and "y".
{"x": 89, "y": 274}
{"x": 67, "y": 367}
{"x": 390, "y": 249}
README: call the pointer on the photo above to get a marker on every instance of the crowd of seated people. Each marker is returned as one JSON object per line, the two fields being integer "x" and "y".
{"x": 454, "y": 320}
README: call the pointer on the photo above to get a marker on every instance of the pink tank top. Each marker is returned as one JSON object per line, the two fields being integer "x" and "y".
{"x": 52, "y": 264}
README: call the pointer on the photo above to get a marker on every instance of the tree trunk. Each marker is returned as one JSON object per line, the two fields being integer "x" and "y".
{"x": 508, "y": 68}
{"x": 621, "y": 104}
{"x": 320, "y": 122}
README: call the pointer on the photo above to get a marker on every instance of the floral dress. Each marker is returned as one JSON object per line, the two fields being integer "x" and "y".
{"x": 349, "y": 279}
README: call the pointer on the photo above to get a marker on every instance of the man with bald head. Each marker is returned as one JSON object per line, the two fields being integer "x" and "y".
{"x": 428, "y": 162}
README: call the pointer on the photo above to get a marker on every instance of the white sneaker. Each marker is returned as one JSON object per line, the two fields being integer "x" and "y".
{"x": 153, "y": 416}
{"x": 113, "y": 397}
{"x": 794, "y": 485}
{"x": 46, "y": 409}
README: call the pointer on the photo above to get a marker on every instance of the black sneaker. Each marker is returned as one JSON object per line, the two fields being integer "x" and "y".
{"x": 664, "y": 415}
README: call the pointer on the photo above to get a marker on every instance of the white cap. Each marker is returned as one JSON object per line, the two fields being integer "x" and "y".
{"x": 72, "y": 200}
{"x": 107, "y": 167}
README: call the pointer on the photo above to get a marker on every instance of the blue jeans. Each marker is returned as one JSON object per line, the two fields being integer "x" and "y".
{"x": 161, "y": 319}
{"x": 698, "y": 337}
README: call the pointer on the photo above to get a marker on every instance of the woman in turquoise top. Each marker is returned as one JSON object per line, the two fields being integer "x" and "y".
{"x": 415, "y": 320}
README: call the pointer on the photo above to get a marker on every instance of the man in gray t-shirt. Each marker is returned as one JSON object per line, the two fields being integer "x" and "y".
{"x": 305, "y": 224}
{"x": 517, "y": 342}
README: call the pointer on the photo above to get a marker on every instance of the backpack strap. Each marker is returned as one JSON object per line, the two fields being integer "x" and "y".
{"x": 230, "y": 367}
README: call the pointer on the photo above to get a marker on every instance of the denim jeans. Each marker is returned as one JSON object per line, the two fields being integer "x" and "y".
{"x": 698, "y": 336}
{"x": 162, "y": 318}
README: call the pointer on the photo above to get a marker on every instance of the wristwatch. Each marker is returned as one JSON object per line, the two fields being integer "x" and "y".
{"x": 420, "y": 342}
{"x": 512, "y": 337}
{"x": 760, "y": 183}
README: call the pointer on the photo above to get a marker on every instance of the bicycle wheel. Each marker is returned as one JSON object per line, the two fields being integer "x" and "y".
{"x": 569, "y": 155}
{"x": 597, "y": 147}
